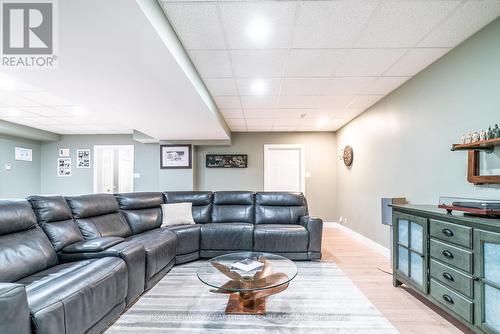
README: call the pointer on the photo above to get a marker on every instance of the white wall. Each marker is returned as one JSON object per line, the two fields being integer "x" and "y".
{"x": 402, "y": 144}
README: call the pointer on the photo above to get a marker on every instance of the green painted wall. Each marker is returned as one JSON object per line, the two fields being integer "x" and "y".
{"x": 24, "y": 177}
{"x": 146, "y": 164}
{"x": 82, "y": 180}
{"x": 402, "y": 144}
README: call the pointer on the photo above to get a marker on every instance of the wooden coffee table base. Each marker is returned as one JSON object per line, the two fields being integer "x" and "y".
{"x": 253, "y": 302}
{"x": 238, "y": 305}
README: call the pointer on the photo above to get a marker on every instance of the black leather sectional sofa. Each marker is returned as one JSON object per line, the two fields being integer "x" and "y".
{"x": 73, "y": 264}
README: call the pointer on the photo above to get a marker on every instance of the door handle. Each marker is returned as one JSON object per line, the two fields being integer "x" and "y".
{"x": 448, "y": 277}
{"x": 447, "y": 232}
{"x": 447, "y": 254}
{"x": 448, "y": 299}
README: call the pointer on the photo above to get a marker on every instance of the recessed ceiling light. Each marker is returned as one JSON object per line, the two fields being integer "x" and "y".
{"x": 13, "y": 112}
{"x": 322, "y": 122}
{"x": 259, "y": 87}
{"x": 258, "y": 30}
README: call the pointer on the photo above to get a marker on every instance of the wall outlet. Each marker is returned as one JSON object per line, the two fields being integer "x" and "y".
{"x": 8, "y": 166}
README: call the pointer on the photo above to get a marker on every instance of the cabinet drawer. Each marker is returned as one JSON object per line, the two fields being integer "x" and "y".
{"x": 452, "y": 278}
{"x": 459, "y": 235}
{"x": 457, "y": 257}
{"x": 451, "y": 300}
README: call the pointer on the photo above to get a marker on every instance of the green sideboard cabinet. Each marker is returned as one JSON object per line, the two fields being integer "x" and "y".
{"x": 453, "y": 260}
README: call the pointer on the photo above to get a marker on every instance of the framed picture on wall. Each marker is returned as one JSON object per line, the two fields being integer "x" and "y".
{"x": 63, "y": 167}
{"x": 175, "y": 156}
{"x": 83, "y": 158}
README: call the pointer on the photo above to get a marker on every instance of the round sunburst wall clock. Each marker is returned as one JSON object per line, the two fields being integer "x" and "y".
{"x": 348, "y": 156}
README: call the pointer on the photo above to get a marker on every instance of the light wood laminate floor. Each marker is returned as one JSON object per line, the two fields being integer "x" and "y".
{"x": 369, "y": 269}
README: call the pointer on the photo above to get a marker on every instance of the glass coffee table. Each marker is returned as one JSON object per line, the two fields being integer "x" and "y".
{"x": 248, "y": 277}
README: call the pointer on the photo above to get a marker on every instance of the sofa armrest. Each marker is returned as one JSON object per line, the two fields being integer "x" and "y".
{"x": 92, "y": 245}
{"x": 315, "y": 227}
{"x": 14, "y": 312}
{"x": 132, "y": 253}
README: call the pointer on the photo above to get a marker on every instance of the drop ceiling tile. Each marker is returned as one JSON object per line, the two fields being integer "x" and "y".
{"x": 385, "y": 85}
{"x": 401, "y": 24}
{"x": 238, "y": 17}
{"x": 259, "y": 113}
{"x": 13, "y": 100}
{"x": 258, "y": 102}
{"x": 365, "y": 101}
{"x": 258, "y": 63}
{"x": 284, "y": 128}
{"x": 330, "y": 24}
{"x": 221, "y": 86}
{"x": 236, "y": 122}
{"x": 232, "y": 113}
{"x": 465, "y": 21}
{"x": 211, "y": 63}
{"x": 314, "y": 62}
{"x": 339, "y": 101}
{"x": 254, "y": 122}
{"x": 44, "y": 98}
{"x": 416, "y": 60}
{"x": 259, "y": 128}
{"x": 228, "y": 102}
{"x": 350, "y": 113}
{"x": 325, "y": 86}
{"x": 46, "y": 111}
{"x": 293, "y": 113}
{"x": 272, "y": 85}
{"x": 279, "y": 122}
{"x": 15, "y": 113}
{"x": 369, "y": 62}
{"x": 238, "y": 128}
{"x": 197, "y": 25}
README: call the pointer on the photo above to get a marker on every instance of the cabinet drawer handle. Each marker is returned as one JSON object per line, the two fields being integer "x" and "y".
{"x": 447, "y": 232}
{"x": 448, "y": 299}
{"x": 447, "y": 254}
{"x": 448, "y": 277}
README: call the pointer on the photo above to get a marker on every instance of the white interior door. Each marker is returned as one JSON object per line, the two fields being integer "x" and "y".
{"x": 113, "y": 168}
{"x": 284, "y": 168}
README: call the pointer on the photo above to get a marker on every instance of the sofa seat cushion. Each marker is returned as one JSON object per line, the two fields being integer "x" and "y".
{"x": 188, "y": 238}
{"x": 280, "y": 238}
{"x": 160, "y": 245}
{"x": 228, "y": 236}
{"x": 72, "y": 297}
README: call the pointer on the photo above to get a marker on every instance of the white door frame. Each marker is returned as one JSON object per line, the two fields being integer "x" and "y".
{"x": 301, "y": 148}
{"x": 112, "y": 147}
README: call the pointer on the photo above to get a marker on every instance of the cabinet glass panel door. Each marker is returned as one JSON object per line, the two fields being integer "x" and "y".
{"x": 487, "y": 269}
{"x": 411, "y": 250}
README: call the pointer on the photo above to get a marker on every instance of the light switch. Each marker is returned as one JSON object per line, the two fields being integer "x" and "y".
{"x": 8, "y": 166}
{"x": 137, "y": 176}
{"x": 308, "y": 175}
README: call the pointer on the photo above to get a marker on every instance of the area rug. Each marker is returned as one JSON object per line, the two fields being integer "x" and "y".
{"x": 321, "y": 299}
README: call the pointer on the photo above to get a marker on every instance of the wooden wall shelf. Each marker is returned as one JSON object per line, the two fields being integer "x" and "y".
{"x": 473, "y": 170}
{"x": 485, "y": 145}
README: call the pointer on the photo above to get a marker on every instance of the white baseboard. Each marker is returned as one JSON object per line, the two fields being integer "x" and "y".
{"x": 386, "y": 252}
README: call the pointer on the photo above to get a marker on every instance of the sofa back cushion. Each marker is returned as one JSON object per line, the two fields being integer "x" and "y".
{"x": 201, "y": 201}
{"x": 141, "y": 210}
{"x": 279, "y": 207}
{"x": 54, "y": 216}
{"x": 98, "y": 216}
{"x": 233, "y": 207}
{"x": 24, "y": 247}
